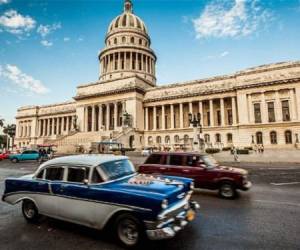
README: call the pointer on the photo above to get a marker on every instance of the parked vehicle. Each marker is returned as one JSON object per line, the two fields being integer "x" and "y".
{"x": 146, "y": 151}
{"x": 4, "y": 156}
{"x": 25, "y": 156}
{"x": 203, "y": 168}
{"x": 100, "y": 190}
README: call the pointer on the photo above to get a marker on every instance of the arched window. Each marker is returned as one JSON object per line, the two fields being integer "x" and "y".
{"x": 229, "y": 138}
{"x": 167, "y": 139}
{"x": 123, "y": 39}
{"x": 218, "y": 137}
{"x": 186, "y": 139}
{"x": 273, "y": 137}
{"x": 150, "y": 140}
{"x": 288, "y": 137}
{"x": 115, "y": 41}
{"x": 146, "y": 43}
{"x": 176, "y": 139}
{"x": 132, "y": 39}
{"x": 206, "y": 138}
{"x": 140, "y": 41}
{"x": 158, "y": 139}
{"x": 259, "y": 138}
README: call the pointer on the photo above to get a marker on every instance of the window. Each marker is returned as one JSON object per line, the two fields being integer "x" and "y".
{"x": 257, "y": 113}
{"x": 115, "y": 41}
{"x": 176, "y": 160}
{"x": 77, "y": 174}
{"x": 167, "y": 139}
{"x": 271, "y": 112}
{"x": 206, "y": 138}
{"x": 96, "y": 178}
{"x": 54, "y": 174}
{"x": 176, "y": 138}
{"x": 229, "y": 117}
{"x": 40, "y": 175}
{"x": 186, "y": 139}
{"x": 218, "y": 138}
{"x": 132, "y": 39}
{"x": 158, "y": 139}
{"x": 219, "y": 117}
{"x": 288, "y": 137}
{"x": 140, "y": 41}
{"x": 117, "y": 169}
{"x": 285, "y": 111}
{"x": 150, "y": 140}
{"x": 208, "y": 118}
{"x": 229, "y": 138}
{"x": 259, "y": 138}
{"x": 273, "y": 137}
{"x": 153, "y": 159}
{"x": 192, "y": 160}
{"x": 123, "y": 39}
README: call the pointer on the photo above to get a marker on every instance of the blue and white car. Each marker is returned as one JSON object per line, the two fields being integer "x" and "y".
{"x": 100, "y": 190}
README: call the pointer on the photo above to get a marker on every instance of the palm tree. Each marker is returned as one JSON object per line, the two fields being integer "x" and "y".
{"x": 1, "y": 122}
{"x": 10, "y": 130}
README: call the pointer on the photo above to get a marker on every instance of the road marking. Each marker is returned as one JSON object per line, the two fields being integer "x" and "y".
{"x": 279, "y": 203}
{"x": 286, "y": 183}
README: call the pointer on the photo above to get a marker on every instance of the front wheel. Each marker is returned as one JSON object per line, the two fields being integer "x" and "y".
{"x": 14, "y": 160}
{"x": 30, "y": 211}
{"x": 128, "y": 230}
{"x": 227, "y": 190}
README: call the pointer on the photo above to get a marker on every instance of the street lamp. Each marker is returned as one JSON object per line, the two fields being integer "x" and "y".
{"x": 195, "y": 121}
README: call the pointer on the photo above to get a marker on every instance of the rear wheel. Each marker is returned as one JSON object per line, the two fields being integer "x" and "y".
{"x": 128, "y": 230}
{"x": 227, "y": 190}
{"x": 30, "y": 211}
{"x": 14, "y": 160}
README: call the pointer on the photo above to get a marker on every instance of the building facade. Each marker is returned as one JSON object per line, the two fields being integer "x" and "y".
{"x": 259, "y": 105}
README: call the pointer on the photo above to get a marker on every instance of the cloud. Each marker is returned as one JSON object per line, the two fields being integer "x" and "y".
{"x": 46, "y": 43}
{"x": 67, "y": 39}
{"x": 45, "y": 30}
{"x": 225, "y": 53}
{"x": 15, "y": 23}
{"x": 4, "y": 1}
{"x": 239, "y": 18}
{"x": 22, "y": 80}
{"x": 218, "y": 56}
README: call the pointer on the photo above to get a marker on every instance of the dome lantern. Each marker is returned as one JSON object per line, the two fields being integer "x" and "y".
{"x": 128, "y": 6}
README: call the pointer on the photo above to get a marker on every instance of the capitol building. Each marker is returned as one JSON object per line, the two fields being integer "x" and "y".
{"x": 259, "y": 105}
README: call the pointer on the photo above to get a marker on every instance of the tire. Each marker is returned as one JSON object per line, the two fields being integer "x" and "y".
{"x": 30, "y": 211}
{"x": 227, "y": 190}
{"x": 128, "y": 230}
{"x": 14, "y": 160}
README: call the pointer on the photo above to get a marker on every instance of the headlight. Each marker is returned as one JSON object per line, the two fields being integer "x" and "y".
{"x": 192, "y": 185}
{"x": 164, "y": 204}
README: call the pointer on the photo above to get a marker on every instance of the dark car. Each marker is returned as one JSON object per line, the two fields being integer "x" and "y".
{"x": 203, "y": 168}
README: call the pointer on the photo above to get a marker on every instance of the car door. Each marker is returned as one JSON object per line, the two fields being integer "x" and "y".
{"x": 156, "y": 163}
{"x": 174, "y": 165}
{"x": 194, "y": 168}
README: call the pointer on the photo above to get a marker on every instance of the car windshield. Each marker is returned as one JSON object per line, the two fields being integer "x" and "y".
{"x": 117, "y": 169}
{"x": 209, "y": 161}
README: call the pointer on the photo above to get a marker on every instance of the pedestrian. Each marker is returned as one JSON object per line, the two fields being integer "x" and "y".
{"x": 235, "y": 154}
{"x": 262, "y": 148}
{"x": 255, "y": 148}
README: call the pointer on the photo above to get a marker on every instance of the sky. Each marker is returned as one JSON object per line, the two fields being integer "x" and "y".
{"x": 47, "y": 48}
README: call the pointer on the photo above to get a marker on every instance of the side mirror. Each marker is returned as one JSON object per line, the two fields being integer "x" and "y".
{"x": 86, "y": 182}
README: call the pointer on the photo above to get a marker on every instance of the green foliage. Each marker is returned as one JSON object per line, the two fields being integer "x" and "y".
{"x": 226, "y": 149}
{"x": 248, "y": 148}
{"x": 212, "y": 150}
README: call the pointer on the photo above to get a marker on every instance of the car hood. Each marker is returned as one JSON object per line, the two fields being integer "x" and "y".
{"x": 232, "y": 170}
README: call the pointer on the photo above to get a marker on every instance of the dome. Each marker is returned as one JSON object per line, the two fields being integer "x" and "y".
{"x": 127, "y": 20}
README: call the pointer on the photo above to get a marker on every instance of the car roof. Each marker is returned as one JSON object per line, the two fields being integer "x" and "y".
{"x": 87, "y": 160}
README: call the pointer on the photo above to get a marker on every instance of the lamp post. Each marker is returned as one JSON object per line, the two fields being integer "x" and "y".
{"x": 195, "y": 121}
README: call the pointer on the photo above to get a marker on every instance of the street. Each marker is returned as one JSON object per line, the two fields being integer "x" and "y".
{"x": 266, "y": 217}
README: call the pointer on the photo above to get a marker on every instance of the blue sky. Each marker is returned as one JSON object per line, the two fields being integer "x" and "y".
{"x": 47, "y": 48}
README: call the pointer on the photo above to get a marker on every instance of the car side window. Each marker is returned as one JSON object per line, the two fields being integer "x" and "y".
{"x": 77, "y": 174}
{"x": 153, "y": 159}
{"x": 96, "y": 178}
{"x": 25, "y": 152}
{"x": 55, "y": 174}
{"x": 40, "y": 174}
{"x": 176, "y": 160}
{"x": 192, "y": 160}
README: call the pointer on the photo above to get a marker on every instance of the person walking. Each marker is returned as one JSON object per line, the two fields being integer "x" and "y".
{"x": 235, "y": 154}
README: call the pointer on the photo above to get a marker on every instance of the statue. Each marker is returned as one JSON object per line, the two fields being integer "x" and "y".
{"x": 127, "y": 119}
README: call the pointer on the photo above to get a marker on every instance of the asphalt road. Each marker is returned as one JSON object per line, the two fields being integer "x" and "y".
{"x": 267, "y": 217}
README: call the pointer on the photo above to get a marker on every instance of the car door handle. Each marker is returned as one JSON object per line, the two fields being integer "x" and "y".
{"x": 185, "y": 171}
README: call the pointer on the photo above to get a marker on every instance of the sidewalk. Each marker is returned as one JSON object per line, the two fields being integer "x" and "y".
{"x": 269, "y": 156}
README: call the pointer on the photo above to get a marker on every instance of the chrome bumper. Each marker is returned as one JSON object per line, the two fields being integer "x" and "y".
{"x": 247, "y": 186}
{"x": 167, "y": 227}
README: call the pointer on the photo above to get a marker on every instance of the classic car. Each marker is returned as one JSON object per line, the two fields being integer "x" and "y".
{"x": 101, "y": 190}
{"x": 203, "y": 168}
{"x": 25, "y": 156}
{"x": 4, "y": 156}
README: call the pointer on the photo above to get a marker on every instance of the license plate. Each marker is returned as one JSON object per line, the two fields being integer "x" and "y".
{"x": 190, "y": 215}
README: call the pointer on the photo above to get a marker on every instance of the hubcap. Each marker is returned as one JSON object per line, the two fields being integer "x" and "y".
{"x": 29, "y": 210}
{"x": 227, "y": 191}
{"x": 128, "y": 232}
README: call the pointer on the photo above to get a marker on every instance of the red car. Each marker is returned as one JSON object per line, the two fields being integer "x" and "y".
{"x": 4, "y": 156}
{"x": 203, "y": 168}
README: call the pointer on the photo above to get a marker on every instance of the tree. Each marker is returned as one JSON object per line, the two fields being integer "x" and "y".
{"x": 10, "y": 130}
{"x": 1, "y": 122}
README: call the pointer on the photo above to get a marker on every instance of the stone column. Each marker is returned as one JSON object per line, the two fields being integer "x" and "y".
{"x": 107, "y": 116}
{"x": 250, "y": 107}
{"x": 48, "y": 130}
{"x": 190, "y": 111}
{"x": 172, "y": 116}
{"x": 211, "y": 112}
{"x": 297, "y": 89}
{"x": 44, "y": 128}
{"x": 63, "y": 125}
{"x": 114, "y": 61}
{"x": 93, "y": 118}
{"x": 233, "y": 108}
{"x": 100, "y": 117}
{"x": 154, "y": 118}
{"x": 181, "y": 115}
{"x": 293, "y": 105}
{"x": 40, "y": 127}
{"x": 131, "y": 59}
{"x": 67, "y": 124}
{"x": 277, "y": 106}
{"x": 201, "y": 112}
{"x": 146, "y": 119}
{"x": 163, "y": 118}
{"x": 52, "y": 129}
{"x": 119, "y": 60}
{"x": 222, "y": 110}
{"x": 264, "y": 113}
{"x": 115, "y": 115}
